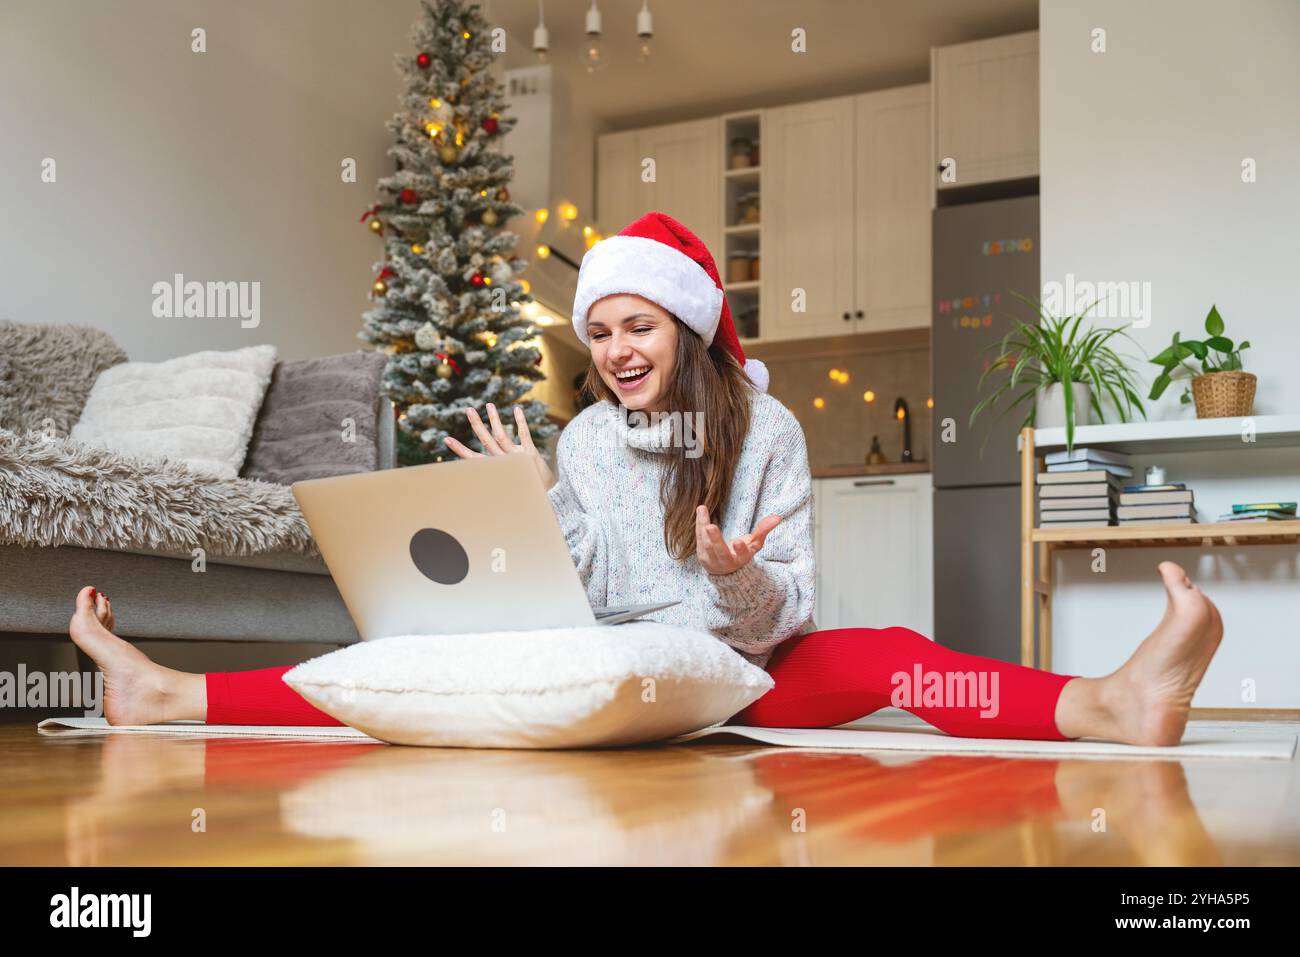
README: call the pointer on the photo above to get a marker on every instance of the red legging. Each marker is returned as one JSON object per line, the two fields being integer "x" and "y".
{"x": 822, "y": 679}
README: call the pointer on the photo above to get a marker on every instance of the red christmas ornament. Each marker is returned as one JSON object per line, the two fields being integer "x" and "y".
{"x": 490, "y": 124}
{"x": 423, "y": 61}
{"x": 386, "y": 273}
{"x": 476, "y": 279}
{"x": 409, "y": 196}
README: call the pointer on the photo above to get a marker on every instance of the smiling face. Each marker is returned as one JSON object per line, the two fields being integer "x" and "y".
{"x": 630, "y": 334}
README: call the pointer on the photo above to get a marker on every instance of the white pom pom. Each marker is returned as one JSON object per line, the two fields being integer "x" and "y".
{"x": 757, "y": 373}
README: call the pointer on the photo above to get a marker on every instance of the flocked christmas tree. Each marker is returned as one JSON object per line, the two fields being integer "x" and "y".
{"x": 447, "y": 294}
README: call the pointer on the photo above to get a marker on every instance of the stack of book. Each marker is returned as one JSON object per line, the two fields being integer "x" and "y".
{"x": 1261, "y": 512}
{"x": 1156, "y": 505}
{"x": 1080, "y": 488}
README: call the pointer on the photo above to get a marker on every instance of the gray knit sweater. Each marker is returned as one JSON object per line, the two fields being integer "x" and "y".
{"x": 607, "y": 501}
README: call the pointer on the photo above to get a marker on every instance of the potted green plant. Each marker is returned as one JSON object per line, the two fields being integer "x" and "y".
{"x": 1064, "y": 371}
{"x": 1221, "y": 388}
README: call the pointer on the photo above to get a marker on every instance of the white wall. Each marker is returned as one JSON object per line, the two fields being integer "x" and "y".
{"x": 222, "y": 165}
{"x": 1141, "y": 153}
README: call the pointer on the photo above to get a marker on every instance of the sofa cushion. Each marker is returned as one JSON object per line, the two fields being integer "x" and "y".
{"x": 318, "y": 419}
{"x": 197, "y": 409}
{"x": 554, "y": 688}
{"x": 51, "y": 371}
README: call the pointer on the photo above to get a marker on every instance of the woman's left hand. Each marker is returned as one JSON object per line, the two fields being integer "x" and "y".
{"x": 716, "y": 555}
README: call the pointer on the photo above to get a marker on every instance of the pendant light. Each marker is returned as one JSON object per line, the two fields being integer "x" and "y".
{"x": 644, "y": 32}
{"x": 593, "y": 48}
{"x": 541, "y": 37}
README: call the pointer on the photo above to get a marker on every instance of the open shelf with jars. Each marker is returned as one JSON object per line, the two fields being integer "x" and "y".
{"x": 742, "y": 134}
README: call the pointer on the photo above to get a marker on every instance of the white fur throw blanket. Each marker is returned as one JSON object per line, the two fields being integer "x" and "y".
{"x": 59, "y": 492}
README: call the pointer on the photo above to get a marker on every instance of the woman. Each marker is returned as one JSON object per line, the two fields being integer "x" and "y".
{"x": 685, "y": 433}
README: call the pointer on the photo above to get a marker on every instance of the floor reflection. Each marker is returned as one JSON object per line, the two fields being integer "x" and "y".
{"x": 263, "y": 801}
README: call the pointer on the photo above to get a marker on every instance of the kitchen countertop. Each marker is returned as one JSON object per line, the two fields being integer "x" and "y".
{"x": 890, "y": 468}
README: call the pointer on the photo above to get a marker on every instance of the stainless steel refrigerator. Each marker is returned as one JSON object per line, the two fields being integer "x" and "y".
{"x": 982, "y": 252}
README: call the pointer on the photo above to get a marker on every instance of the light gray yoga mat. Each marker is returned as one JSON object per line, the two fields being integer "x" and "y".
{"x": 1202, "y": 740}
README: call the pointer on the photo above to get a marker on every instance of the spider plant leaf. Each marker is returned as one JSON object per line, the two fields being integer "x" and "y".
{"x": 1005, "y": 409}
{"x": 1068, "y": 386}
{"x": 987, "y": 401}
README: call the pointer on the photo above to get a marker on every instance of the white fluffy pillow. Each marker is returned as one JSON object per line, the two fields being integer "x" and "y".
{"x": 197, "y": 409}
{"x": 552, "y": 688}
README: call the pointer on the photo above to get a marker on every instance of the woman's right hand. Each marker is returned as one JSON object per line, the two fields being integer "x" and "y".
{"x": 498, "y": 443}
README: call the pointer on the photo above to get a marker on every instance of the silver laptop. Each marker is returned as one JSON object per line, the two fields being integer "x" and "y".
{"x": 455, "y": 547}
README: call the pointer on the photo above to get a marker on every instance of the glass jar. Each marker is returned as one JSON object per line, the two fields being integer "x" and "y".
{"x": 747, "y": 323}
{"x": 741, "y": 150}
{"x": 738, "y": 267}
{"x": 747, "y": 208}
{"x": 754, "y": 259}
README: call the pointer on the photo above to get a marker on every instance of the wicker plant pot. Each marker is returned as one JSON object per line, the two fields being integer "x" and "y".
{"x": 1222, "y": 394}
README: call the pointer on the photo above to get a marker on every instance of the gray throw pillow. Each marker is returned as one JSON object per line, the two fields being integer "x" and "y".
{"x": 302, "y": 430}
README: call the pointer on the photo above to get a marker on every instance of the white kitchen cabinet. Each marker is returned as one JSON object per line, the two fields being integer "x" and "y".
{"x": 620, "y": 194}
{"x": 846, "y": 215}
{"x": 686, "y": 183}
{"x": 892, "y": 198}
{"x": 875, "y": 552}
{"x": 807, "y": 231}
{"x": 986, "y": 109}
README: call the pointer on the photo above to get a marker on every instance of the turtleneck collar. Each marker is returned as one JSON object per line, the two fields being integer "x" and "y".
{"x": 646, "y": 431}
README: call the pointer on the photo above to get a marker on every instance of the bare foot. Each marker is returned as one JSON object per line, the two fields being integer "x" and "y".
{"x": 136, "y": 689}
{"x": 1147, "y": 700}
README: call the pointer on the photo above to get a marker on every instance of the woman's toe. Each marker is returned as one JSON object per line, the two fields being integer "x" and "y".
{"x": 85, "y": 601}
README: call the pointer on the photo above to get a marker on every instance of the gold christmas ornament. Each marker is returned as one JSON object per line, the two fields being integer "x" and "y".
{"x": 443, "y": 370}
{"x": 380, "y": 287}
{"x": 417, "y": 249}
{"x": 376, "y": 226}
{"x": 489, "y": 218}
{"x": 448, "y": 153}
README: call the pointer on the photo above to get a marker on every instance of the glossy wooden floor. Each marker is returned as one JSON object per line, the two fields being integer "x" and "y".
{"x": 131, "y": 799}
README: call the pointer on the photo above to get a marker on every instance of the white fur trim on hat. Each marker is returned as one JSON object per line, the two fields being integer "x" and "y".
{"x": 653, "y": 270}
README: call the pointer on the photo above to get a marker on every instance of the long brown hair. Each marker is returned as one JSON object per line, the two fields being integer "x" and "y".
{"x": 708, "y": 382}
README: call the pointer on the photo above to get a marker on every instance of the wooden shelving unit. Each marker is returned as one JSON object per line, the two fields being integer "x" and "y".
{"x": 1038, "y": 545}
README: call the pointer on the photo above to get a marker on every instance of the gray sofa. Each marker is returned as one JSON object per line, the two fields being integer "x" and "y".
{"x": 158, "y": 594}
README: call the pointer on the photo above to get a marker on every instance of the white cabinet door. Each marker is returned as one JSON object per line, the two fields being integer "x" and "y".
{"x": 688, "y": 175}
{"x": 620, "y": 195}
{"x": 986, "y": 109}
{"x": 875, "y": 555}
{"x": 807, "y": 231}
{"x": 686, "y": 182}
{"x": 892, "y": 216}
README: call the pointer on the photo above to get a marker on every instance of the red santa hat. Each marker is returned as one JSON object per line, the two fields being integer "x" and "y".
{"x": 659, "y": 259}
